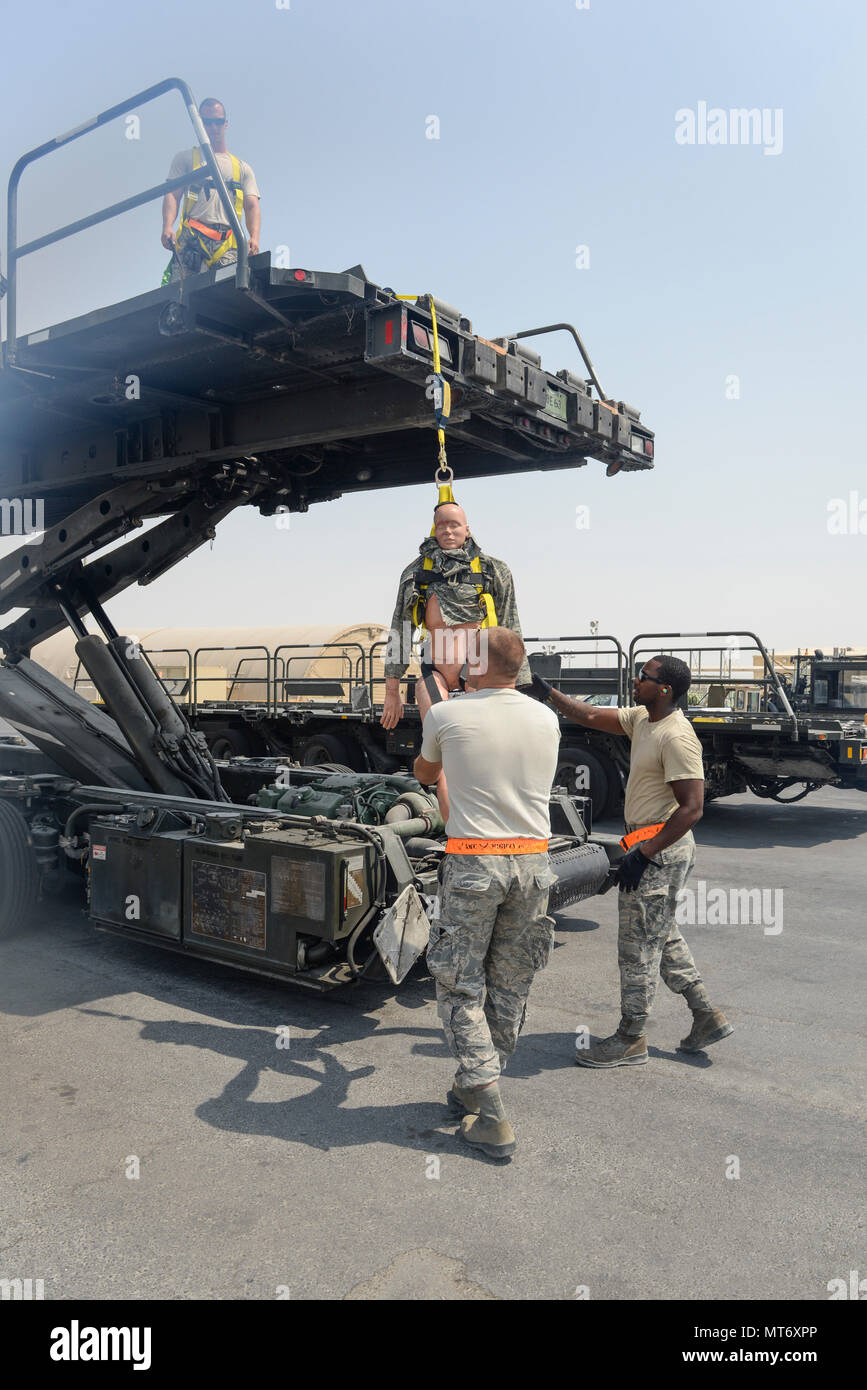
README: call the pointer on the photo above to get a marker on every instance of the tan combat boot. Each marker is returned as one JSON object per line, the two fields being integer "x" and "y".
{"x": 462, "y": 1101}
{"x": 620, "y": 1050}
{"x": 708, "y": 1026}
{"x": 489, "y": 1130}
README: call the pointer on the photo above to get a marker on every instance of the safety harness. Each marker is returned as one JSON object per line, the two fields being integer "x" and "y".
{"x": 461, "y": 576}
{"x": 441, "y": 392}
{"x": 213, "y": 242}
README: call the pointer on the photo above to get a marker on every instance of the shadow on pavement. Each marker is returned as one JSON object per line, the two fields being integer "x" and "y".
{"x": 318, "y": 1117}
{"x": 564, "y": 923}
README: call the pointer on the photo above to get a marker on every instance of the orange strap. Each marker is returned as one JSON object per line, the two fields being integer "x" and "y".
{"x": 646, "y": 832}
{"x": 520, "y": 846}
{"x": 210, "y": 231}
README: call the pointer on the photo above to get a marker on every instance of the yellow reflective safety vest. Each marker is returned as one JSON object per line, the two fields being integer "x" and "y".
{"x": 214, "y": 243}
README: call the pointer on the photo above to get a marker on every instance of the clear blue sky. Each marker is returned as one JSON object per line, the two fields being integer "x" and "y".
{"x": 557, "y": 129}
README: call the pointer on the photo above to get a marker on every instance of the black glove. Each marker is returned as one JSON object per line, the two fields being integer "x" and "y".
{"x": 630, "y": 869}
{"x": 538, "y": 689}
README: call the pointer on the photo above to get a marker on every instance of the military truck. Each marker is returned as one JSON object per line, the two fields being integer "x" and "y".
{"x": 833, "y": 684}
{"x": 251, "y": 385}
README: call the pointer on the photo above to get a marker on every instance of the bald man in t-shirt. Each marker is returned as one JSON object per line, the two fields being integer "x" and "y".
{"x": 499, "y": 752}
{"x": 664, "y": 800}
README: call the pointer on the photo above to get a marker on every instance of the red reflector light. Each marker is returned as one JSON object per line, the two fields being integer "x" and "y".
{"x": 420, "y": 337}
{"x": 648, "y": 447}
{"x": 299, "y": 274}
{"x": 389, "y": 330}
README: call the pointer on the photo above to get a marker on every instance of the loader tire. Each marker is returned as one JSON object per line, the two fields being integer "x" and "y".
{"x": 19, "y": 872}
{"x": 587, "y": 774}
{"x": 323, "y": 749}
{"x": 229, "y": 743}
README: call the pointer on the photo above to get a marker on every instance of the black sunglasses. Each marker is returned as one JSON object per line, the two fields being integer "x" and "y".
{"x": 213, "y": 120}
{"x": 643, "y": 676}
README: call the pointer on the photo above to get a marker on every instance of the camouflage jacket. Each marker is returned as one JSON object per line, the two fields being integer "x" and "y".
{"x": 458, "y": 599}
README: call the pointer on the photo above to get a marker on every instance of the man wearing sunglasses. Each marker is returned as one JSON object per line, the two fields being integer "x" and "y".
{"x": 664, "y": 800}
{"x": 205, "y": 239}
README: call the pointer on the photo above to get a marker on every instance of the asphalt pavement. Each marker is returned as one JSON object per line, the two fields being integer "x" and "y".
{"x": 161, "y": 1138}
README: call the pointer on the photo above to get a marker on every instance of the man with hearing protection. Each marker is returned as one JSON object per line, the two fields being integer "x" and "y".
{"x": 664, "y": 800}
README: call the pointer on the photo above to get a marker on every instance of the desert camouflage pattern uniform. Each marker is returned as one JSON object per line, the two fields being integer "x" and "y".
{"x": 649, "y": 943}
{"x": 491, "y": 937}
{"x": 459, "y": 602}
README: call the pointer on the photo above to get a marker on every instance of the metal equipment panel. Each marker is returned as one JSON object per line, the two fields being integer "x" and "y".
{"x": 135, "y": 879}
{"x": 227, "y": 903}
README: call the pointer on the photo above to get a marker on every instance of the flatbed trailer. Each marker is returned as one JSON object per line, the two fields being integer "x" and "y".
{"x": 253, "y": 385}
{"x": 782, "y": 754}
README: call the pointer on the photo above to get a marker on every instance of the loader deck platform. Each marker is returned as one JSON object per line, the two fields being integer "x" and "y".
{"x": 320, "y": 376}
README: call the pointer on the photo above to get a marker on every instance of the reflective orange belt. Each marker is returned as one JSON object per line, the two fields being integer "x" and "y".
{"x": 519, "y": 846}
{"x": 211, "y": 232}
{"x": 645, "y": 832}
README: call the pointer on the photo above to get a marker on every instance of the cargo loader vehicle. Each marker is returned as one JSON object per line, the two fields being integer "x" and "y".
{"x": 274, "y": 388}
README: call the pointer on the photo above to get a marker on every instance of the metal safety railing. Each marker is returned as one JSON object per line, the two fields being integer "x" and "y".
{"x": 673, "y": 643}
{"x": 594, "y": 680}
{"x": 351, "y": 671}
{"x": 260, "y": 652}
{"x": 278, "y": 684}
{"x": 178, "y": 686}
{"x": 171, "y": 683}
{"x": 210, "y": 173}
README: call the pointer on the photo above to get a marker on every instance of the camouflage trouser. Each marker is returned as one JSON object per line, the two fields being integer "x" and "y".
{"x": 193, "y": 257}
{"x": 490, "y": 938}
{"x": 649, "y": 943}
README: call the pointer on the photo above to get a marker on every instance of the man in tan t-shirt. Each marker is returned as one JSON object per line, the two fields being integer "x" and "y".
{"x": 205, "y": 239}
{"x": 664, "y": 800}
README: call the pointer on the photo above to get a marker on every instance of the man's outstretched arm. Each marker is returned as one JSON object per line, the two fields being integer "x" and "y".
{"x": 591, "y": 716}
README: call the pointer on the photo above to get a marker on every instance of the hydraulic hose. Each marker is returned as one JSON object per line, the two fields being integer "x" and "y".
{"x": 379, "y": 899}
{"x": 105, "y": 808}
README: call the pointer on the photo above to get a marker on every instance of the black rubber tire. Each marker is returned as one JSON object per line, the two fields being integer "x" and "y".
{"x": 228, "y": 743}
{"x": 329, "y": 767}
{"x": 325, "y": 748}
{"x": 19, "y": 872}
{"x": 571, "y": 759}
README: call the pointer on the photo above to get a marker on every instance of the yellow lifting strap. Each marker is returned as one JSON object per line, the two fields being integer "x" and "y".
{"x": 191, "y": 198}
{"x": 441, "y": 410}
{"x": 486, "y": 603}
